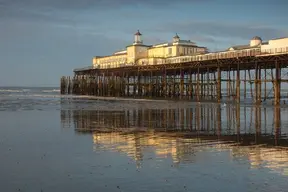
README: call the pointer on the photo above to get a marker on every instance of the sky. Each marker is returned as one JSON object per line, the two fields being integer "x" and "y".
{"x": 41, "y": 40}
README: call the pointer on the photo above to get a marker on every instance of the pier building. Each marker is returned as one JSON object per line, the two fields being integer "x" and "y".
{"x": 139, "y": 53}
{"x": 180, "y": 69}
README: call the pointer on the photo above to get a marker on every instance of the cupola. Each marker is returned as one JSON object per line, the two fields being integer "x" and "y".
{"x": 255, "y": 41}
{"x": 176, "y": 38}
{"x": 137, "y": 38}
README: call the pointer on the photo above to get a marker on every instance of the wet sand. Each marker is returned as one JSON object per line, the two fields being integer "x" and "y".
{"x": 54, "y": 144}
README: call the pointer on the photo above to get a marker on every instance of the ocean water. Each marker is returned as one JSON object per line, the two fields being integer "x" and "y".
{"x": 50, "y": 142}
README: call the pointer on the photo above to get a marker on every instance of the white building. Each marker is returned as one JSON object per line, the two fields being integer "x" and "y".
{"x": 271, "y": 46}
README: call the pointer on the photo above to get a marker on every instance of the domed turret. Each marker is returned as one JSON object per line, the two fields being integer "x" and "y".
{"x": 176, "y": 38}
{"x": 137, "y": 38}
{"x": 255, "y": 41}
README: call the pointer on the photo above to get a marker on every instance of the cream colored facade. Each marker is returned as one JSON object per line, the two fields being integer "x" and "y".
{"x": 279, "y": 45}
{"x": 117, "y": 59}
{"x": 141, "y": 54}
{"x": 275, "y": 46}
{"x": 184, "y": 51}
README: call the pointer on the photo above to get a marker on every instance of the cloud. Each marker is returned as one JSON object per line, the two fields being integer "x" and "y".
{"x": 221, "y": 29}
{"x": 44, "y": 53}
{"x": 93, "y": 12}
{"x": 203, "y": 38}
{"x": 92, "y": 4}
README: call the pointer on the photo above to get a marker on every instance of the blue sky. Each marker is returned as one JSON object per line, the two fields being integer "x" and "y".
{"x": 41, "y": 40}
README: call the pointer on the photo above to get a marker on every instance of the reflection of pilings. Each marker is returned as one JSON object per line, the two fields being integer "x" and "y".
{"x": 257, "y": 122}
{"x": 277, "y": 121}
{"x": 200, "y": 120}
{"x": 219, "y": 122}
{"x": 238, "y": 121}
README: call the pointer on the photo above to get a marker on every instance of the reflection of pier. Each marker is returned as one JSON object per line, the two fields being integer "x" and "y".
{"x": 271, "y": 158}
{"x": 134, "y": 145}
{"x": 180, "y": 133}
{"x": 243, "y": 124}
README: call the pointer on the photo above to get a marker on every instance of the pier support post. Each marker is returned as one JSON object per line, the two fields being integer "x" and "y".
{"x": 219, "y": 95}
{"x": 245, "y": 84}
{"x": 165, "y": 83}
{"x": 257, "y": 79}
{"x": 277, "y": 83}
{"x": 238, "y": 83}
{"x": 229, "y": 88}
{"x": 181, "y": 83}
{"x": 128, "y": 85}
{"x": 198, "y": 84}
{"x": 190, "y": 85}
{"x": 259, "y": 84}
{"x": 265, "y": 84}
{"x": 139, "y": 84}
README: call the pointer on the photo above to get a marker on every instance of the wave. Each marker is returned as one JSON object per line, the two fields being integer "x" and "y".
{"x": 11, "y": 90}
{"x": 51, "y": 91}
{"x": 32, "y": 90}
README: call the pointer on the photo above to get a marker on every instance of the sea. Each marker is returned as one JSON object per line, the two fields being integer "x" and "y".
{"x": 52, "y": 142}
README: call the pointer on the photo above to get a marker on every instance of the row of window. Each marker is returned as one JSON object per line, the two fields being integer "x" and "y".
{"x": 276, "y": 50}
{"x": 109, "y": 60}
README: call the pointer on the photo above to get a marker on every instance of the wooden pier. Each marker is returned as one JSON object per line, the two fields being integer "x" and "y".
{"x": 195, "y": 78}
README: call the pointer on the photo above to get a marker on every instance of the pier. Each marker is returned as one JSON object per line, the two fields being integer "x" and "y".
{"x": 252, "y": 72}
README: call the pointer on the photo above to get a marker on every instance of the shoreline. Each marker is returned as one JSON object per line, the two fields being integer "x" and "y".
{"x": 283, "y": 103}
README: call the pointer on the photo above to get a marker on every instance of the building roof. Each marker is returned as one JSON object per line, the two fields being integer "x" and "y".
{"x": 119, "y": 52}
{"x": 176, "y": 36}
{"x": 186, "y": 41}
{"x": 239, "y": 47}
{"x": 164, "y": 43}
{"x": 167, "y": 44}
{"x": 279, "y": 38}
{"x": 256, "y": 38}
{"x": 138, "y": 33}
{"x": 83, "y": 69}
{"x": 141, "y": 45}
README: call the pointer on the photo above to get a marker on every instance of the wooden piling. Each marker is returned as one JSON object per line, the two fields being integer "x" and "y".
{"x": 219, "y": 95}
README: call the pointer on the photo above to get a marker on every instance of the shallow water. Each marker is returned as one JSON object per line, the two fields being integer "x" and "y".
{"x": 49, "y": 143}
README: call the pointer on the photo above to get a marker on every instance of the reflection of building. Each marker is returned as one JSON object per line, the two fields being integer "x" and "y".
{"x": 128, "y": 144}
{"x": 183, "y": 150}
{"x": 134, "y": 144}
{"x": 133, "y": 131}
{"x": 275, "y": 159}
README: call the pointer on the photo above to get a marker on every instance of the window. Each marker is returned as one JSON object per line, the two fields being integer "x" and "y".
{"x": 170, "y": 51}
